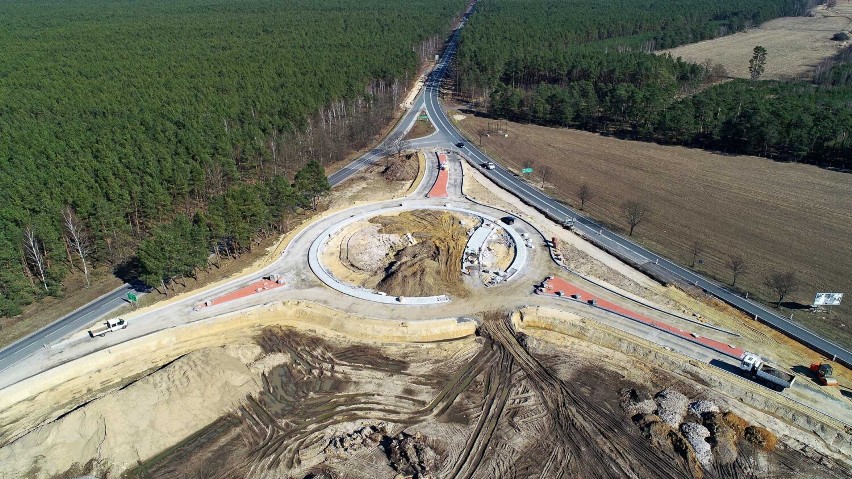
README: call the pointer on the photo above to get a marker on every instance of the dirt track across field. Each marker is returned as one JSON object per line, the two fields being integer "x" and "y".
{"x": 779, "y": 216}
{"x": 795, "y": 45}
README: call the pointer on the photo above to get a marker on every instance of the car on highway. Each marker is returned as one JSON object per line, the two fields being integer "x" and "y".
{"x": 460, "y": 145}
{"x": 489, "y": 165}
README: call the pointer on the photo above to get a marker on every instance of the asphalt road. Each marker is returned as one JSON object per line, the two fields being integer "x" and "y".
{"x": 447, "y": 136}
{"x": 588, "y": 227}
{"x": 66, "y": 325}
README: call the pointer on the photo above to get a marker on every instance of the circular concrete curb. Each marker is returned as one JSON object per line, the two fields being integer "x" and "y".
{"x": 326, "y": 277}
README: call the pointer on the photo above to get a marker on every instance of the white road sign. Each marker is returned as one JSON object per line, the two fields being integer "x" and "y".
{"x": 827, "y": 299}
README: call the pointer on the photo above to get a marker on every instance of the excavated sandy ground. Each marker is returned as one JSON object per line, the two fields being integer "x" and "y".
{"x": 401, "y": 253}
{"x": 291, "y": 404}
{"x": 41, "y": 399}
{"x": 136, "y": 422}
{"x": 341, "y": 396}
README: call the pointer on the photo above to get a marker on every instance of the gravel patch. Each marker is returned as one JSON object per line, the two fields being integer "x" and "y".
{"x": 697, "y": 434}
{"x": 699, "y": 408}
{"x": 671, "y": 406}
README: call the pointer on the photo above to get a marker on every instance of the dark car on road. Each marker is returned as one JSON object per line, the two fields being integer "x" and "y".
{"x": 460, "y": 145}
{"x": 509, "y": 220}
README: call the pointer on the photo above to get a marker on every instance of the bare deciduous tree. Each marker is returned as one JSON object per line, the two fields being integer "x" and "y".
{"x": 714, "y": 72}
{"x": 738, "y": 266}
{"x": 482, "y": 132}
{"x": 584, "y": 194}
{"x": 34, "y": 251}
{"x": 782, "y": 284}
{"x": 77, "y": 238}
{"x": 698, "y": 247}
{"x": 400, "y": 144}
{"x": 544, "y": 172}
{"x": 388, "y": 148}
{"x": 634, "y": 213}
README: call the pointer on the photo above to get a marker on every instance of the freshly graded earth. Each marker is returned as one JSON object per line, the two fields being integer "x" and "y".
{"x": 294, "y": 404}
{"x": 413, "y": 253}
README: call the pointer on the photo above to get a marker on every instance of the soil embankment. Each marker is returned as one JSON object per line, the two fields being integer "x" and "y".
{"x": 431, "y": 265}
{"x": 137, "y": 421}
{"x": 315, "y": 404}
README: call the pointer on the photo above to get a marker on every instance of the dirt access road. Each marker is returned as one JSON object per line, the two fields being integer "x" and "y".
{"x": 778, "y": 216}
{"x": 478, "y": 407}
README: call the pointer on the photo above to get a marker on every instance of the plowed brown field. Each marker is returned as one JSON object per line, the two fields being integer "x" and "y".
{"x": 779, "y": 216}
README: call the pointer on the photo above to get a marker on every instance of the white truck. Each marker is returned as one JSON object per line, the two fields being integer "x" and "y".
{"x": 108, "y": 326}
{"x": 761, "y": 371}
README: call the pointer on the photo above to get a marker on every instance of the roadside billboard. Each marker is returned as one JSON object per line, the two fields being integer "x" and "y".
{"x": 827, "y": 299}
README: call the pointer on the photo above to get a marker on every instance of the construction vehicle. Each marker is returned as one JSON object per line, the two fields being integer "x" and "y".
{"x": 762, "y": 372}
{"x": 108, "y": 326}
{"x": 824, "y": 374}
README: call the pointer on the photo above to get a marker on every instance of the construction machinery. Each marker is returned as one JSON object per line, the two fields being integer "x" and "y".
{"x": 764, "y": 373}
{"x": 824, "y": 374}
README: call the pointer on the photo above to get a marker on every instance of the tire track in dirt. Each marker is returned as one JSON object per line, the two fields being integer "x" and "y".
{"x": 312, "y": 371}
{"x": 498, "y": 385}
{"x": 596, "y": 443}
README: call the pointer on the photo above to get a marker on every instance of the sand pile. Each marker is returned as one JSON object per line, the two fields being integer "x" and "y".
{"x": 367, "y": 250}
{"x": 137, "y": 421}
{"x": 431, "y": 266}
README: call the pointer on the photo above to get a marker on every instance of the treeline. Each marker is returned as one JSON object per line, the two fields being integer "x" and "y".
{"x": 177, "y": 249}
{"x": 130, "y": 115}
{"x": 542, "y": 36}
{"x": 584, "y": 76}
{"x": 785, "y": 121}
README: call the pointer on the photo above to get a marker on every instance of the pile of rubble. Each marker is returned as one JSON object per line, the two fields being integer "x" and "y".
{"x": 697, "y": 435}
{"x": 636, "y": 403}
{"x": 672, "y": 406}
{"x": 671, "y": 419}
{"x": 410, "y": 456}
{"x": 407, "y": 454}
{"x": 699, "y": 408}
{"x": 366, "y": 436}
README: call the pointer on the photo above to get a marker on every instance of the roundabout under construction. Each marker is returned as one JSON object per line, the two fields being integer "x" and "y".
{"x": 445, "y": 331}
{"x": 418, "y": 253}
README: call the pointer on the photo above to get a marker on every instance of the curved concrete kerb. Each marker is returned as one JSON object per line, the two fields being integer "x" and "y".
{"x": 325, "y": 275}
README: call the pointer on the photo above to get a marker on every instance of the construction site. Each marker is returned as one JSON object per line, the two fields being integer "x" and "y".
{"x": 434, "y": 315}
{"x": 464, "y": 336}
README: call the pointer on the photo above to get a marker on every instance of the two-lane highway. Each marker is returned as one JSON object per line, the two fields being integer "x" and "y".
{"x": 66, "y": 325}
{"x": 446, "y": 136}
{"x": 614, "y": 241}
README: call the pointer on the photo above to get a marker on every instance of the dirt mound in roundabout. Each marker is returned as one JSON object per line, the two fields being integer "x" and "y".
{"x": 432, "y": 264}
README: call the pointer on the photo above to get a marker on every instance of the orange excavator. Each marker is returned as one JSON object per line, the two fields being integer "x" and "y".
{"x": 824, "y": 373}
